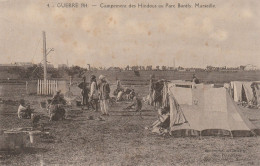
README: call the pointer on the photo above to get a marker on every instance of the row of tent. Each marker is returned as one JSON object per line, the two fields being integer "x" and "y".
{"x": 248, "y": 92}
{"x": 201, "y": 110}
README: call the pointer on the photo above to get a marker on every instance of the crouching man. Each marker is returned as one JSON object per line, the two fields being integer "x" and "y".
{"x": 24, "y": 110}
{"x": 56, "y": 109}
{"x": 56, "y": 112}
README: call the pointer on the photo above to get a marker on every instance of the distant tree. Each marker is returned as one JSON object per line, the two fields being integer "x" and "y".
{"x": 55, "y": 73}
{"x": 180, "y": 68}
{"x": 18, "y": 71}
{"x": 149, "y": 67}
{"x": 33, "y": 72}
{"x": 242, "y": 67}
{"x": 164, "y": 68}
{"x": 76, "y": 71}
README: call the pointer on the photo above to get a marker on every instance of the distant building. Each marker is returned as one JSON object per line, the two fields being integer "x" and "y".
{"x": 114, "y": 69}
{"x": 6, "y": 66}
{"x": 16, "y": 64}
{"x": 24, "y": 64}
{"x": 250, "y": 67}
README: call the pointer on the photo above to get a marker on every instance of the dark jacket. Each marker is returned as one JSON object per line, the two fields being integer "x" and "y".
{"x": 104, "y": 90}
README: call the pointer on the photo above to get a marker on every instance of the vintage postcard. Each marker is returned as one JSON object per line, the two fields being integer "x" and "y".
{"x": 129, "y": 82}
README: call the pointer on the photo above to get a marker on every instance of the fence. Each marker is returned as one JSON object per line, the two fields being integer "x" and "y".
{"x": 49, "y": 88}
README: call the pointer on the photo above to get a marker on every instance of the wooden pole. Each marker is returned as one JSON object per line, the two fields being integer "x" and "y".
{"x": 51, "y": 87}
{"x": 56, "y": 85}
{"x": 37, "y": 87}
{"x": 40, "y": 87}
{"x": 48, "y": 87}
{"x": 27, "y": 87}
{"x": 44, "y": 63}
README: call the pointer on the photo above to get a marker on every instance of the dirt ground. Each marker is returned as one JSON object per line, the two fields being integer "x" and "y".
{"x": 122, "y": 140}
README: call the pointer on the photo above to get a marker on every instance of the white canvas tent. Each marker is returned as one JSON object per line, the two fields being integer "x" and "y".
{"x": 212, "y": 112}
{"x": 257, "y": 91}
{"x": 242, "y": 91}
{"x": 247, "y": 90}
{"x": 184, "y": 95}
{"x": 237, "y": 90}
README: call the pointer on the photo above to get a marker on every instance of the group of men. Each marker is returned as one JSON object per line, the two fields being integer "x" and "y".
{"x": 156, "y": 88}
{"x": 54, "y": 107}
{"x": 97, "y": 92}
{"x": 128, "y": 94}
{"x": 124, "y": 94}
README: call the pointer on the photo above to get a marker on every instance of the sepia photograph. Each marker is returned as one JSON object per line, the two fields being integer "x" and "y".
{"x": 129, "y": 82}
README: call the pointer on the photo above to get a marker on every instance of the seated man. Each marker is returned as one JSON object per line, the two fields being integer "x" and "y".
{"x": 24, "y": 111}
{"x": 127, "y": 92}
{"x": 120, "y": 96}
{"x": 163, "y": 119}
{"x": 56, "y": 110}
{"x": 137, "y": 104}
{"x": 132, "y": 94}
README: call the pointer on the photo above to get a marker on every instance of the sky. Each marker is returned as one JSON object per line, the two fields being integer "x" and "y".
{"x": 228, "y": 35}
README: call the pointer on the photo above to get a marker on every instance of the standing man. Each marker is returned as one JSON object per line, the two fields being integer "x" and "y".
{"x": 94, "y": 92}
{"x": 195, "y": 79}
{"x": 84, "y": 92}
{"x": 104, "y": 91}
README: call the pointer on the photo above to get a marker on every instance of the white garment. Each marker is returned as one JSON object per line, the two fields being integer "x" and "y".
{"x": 20, "y": 109}
{"x": 93, "y": 90}
{"x": 104, "y": 106}
{"x": 119, "y": 96}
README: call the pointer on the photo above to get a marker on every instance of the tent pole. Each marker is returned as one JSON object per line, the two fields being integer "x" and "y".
{"x": 231, "y": 134}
